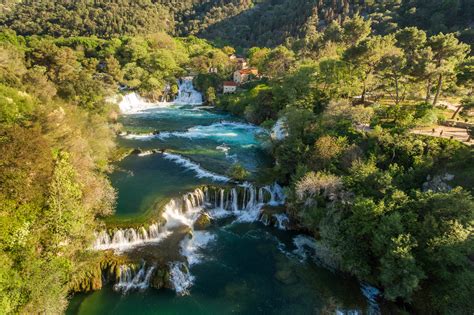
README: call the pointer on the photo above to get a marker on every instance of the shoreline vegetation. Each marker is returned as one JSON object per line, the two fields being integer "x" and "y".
{"x": 394, "y": 209}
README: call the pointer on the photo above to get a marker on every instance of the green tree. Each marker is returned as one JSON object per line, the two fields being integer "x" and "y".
{"x": 257, "y": 57}
{"x": 333, "y": 33}
{"x": 112, "y": 67}
{"x": 391, "y": 69}
{"x": 228, "y": 50}
{"x": 278, "y": 62}
{"x": 467, "y": 104}
{"x": 355, "y": 30}
{"x": 419, "y": 65}
{"x": 65, "y": 217}
{"x": 365, "y": 57}
{"x": 211, "y": 95}
{"x": 238, "y": 172}
{"x": 465, "y": 74}
{"x": 447, "y": 53}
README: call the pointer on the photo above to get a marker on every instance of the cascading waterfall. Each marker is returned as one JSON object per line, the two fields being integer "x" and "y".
{"x": 133, "y": 103}
{"x": 280, "y": 130}
{"x": 185, "y": 210}
{"x": 123, "y": 239}
{"x": 187, "y": 95}
{"x": 244, "y": 202}
{"x": 244, "y": 197}
{"x": 178, "y": 212}
{"x": 132, "y": 279}
{"x": 180, "y": 278}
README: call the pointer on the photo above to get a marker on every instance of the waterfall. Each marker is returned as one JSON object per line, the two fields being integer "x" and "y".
{"x": 235, "y": 206}
{"x": 244, "y": 201}
{"x": 123, "y": 239}
{"x": 173, "y": 215}
{"x": 280, "y": 130}
{"x": 221, "y": 194}
{"x": 371, "y": 294}
{"x": 133, "y": 103}
{"x": 282, "y": 221}
{"x": 187, "y": 95}
{"x": 180, "y": 278}
{"x": 130, "y": 279}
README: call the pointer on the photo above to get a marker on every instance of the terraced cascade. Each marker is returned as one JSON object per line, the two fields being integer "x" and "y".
{"x": 188, "y": 239}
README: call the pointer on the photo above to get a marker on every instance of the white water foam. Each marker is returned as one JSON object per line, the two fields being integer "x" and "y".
{"x": 201, "y": 172}
{"x": 191, "y": 246}
{"x": 216, "y": 130}
{"x": 282, "y": 221}
{"x": 146, "y": 153}
{"x": 187, "y": 95}
{"x": 280, "y": 130}
{"x": 124, "y": 239}
{"x": 224, "y": 148}
{"x": 131, "y": 279}
{"x": 133, "y": 103}
{"x": 180, "y": 278}
{"x": 305, "y": 246}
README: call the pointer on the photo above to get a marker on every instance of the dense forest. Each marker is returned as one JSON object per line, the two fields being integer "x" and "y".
{"x": 241, "y": 23}
{"x": 394, "y": 208}
{"x": 57, "y": 130}
{"x": 348, "y": 81}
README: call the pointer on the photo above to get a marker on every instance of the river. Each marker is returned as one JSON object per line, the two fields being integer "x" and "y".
{"x": 236, "y": 265}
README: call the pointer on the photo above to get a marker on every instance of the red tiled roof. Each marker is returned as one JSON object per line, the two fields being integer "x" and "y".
{"x": 249, "y": 71}
{"x": 230, "y": 83}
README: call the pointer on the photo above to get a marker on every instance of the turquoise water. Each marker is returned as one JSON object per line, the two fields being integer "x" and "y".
{"x": 213, "y": 141}
{"x": 143, "y": 181}
{"x": 245, "y": 268}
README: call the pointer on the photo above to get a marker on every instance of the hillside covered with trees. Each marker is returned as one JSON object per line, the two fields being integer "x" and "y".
{"x": 392, "y": 208}
{"x": 347, "y": 81}
{"x": 57, "y": 137}
{"x": 241, "y": 23}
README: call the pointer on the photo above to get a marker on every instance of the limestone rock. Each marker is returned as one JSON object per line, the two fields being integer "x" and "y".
{"x": 202, "y": 222}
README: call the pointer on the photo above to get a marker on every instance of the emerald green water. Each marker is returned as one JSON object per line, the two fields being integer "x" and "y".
{"x": 215, "y": 141}
{"x": 246, "y": 268}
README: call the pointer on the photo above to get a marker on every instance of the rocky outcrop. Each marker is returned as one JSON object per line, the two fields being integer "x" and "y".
{"x": 96, "y": 273}
{"x": 161, "y": 278}
{"x": 438, "y": 183}
{"x": 275, "y": 216}
{"x": 202, "y": 222}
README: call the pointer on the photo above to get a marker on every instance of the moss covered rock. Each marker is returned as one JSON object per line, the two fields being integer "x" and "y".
{"x": 160, "y": 278}
{"x": 96, "y": 271}
{"x": 202, "y": 222}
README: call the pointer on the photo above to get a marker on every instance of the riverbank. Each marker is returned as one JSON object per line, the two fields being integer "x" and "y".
{"x": 175, "y": 233}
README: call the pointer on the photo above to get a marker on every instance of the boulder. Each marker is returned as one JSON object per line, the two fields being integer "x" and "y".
{"x": 202, "y": 222}
{"x": 160, "y": 278}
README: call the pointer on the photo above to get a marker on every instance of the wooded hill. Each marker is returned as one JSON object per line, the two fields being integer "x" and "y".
{"x": 242, "y": 23}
